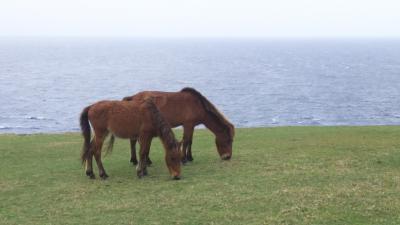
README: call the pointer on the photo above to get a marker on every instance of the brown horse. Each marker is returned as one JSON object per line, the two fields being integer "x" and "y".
{"x": 189, "y": 108}
{"x": 133, "y": 120}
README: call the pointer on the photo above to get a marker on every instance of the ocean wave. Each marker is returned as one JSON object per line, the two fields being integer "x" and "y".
{"x": 35, "y": 118}
{"x": 275, "y": 120}
{"x": 25, "y": 117}
{"x": 18, "y": 128}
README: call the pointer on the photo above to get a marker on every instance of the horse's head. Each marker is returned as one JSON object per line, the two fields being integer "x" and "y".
{"x": 173, "y": 160}
{"x": 224, "y": 148}
{"x": 224, "y": 143}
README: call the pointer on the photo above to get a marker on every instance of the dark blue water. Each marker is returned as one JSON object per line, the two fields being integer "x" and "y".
{"x": 45, "y": 83}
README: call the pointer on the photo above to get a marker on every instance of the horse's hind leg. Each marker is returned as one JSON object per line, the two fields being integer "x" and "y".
{"x": 98, "y": 144}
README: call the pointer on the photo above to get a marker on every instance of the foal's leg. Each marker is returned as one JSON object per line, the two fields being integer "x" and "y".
{"x": 141, "y": 168}
{"x": 89, "y": 162}
{"x": 98, "y": 143}
{"x": 187, "y": 143}
{"x": 133, "y": 153}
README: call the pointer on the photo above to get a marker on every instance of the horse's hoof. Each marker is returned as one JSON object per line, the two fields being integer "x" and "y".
{"x": 104, "y": 176}
{"x": 90, "y": 174}
{"x": 134, "y": 161}
{"x": 190, "y": 158}
{"x": 176, "y": 178}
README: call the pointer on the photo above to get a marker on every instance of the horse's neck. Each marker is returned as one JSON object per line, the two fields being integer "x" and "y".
{"x": 214, "y": 126}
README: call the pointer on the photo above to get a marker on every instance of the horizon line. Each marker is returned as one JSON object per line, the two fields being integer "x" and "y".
{"x": 197, "y": 37}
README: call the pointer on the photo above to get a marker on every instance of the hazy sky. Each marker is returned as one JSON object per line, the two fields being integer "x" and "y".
{"x": 201, "y": 18}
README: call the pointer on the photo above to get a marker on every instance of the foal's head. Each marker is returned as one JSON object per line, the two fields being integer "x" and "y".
{"x": 173, "y": 160}
{"x": 171, "y": 146}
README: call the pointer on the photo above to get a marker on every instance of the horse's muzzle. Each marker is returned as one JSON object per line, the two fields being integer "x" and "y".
{"x": 226, "y": 157}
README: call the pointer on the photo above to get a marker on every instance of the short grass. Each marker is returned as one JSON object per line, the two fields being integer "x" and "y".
{"x": 286, "y": 175}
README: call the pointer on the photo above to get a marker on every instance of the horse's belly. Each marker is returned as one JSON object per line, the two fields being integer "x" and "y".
{"x": 124, "y": 134}
{"x": 124, "y": 128}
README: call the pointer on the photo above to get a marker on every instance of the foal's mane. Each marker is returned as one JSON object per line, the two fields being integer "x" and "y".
{"x": 212, "y": 110}
{"x": 164, "y": 130}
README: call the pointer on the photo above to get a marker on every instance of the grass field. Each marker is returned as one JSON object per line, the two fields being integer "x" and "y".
{"x": 286, "y": 175}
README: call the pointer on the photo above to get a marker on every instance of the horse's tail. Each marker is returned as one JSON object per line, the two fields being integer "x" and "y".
{"x": 85, "y": 129}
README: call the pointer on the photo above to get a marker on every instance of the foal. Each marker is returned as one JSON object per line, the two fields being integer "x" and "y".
{"x": 138, "y": 120}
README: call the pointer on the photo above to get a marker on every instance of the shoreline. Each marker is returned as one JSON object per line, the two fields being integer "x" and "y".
{"x": 204, "y": 128}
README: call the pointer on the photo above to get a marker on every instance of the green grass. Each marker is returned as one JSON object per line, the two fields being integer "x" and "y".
{"x": 287, "y": 175}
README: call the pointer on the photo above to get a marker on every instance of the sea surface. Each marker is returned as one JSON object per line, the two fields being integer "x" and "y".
{"x": 46, "y": 82}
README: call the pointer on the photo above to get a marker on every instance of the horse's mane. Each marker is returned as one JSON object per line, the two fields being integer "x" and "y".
{"x": 212, "y": 110}
{"x": 164, "y": 130}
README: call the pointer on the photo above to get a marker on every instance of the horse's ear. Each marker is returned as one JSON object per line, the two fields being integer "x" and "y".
{"x": 128, "y": 98}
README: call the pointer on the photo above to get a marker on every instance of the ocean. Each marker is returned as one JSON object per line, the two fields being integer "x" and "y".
{"x": 46, "y": 82}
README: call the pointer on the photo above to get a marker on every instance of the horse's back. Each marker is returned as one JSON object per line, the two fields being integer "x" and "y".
{"x": 178, "y": 108}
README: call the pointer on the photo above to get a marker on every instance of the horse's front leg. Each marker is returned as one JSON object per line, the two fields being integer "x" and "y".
{"x": 133, "y": 151}
{"x": 134, "y": 160}
{"x": 189, "y": 151}
{"x": 141, "y": 168}
{"x": 148, "y": 161}
{"x": 187, "y": 143}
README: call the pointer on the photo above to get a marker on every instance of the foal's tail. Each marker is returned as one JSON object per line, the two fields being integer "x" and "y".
{"x": 85, "y": 128}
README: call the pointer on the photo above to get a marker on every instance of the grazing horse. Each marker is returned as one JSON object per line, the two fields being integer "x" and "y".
{"x": 132, "y": 120}
{"x": 189, "y": 108}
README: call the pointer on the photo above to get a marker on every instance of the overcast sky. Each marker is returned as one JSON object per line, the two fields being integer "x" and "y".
{"x": 201, "y": 18}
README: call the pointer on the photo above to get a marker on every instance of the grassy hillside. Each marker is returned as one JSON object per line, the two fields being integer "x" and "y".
{"x": 287, "y": 175}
